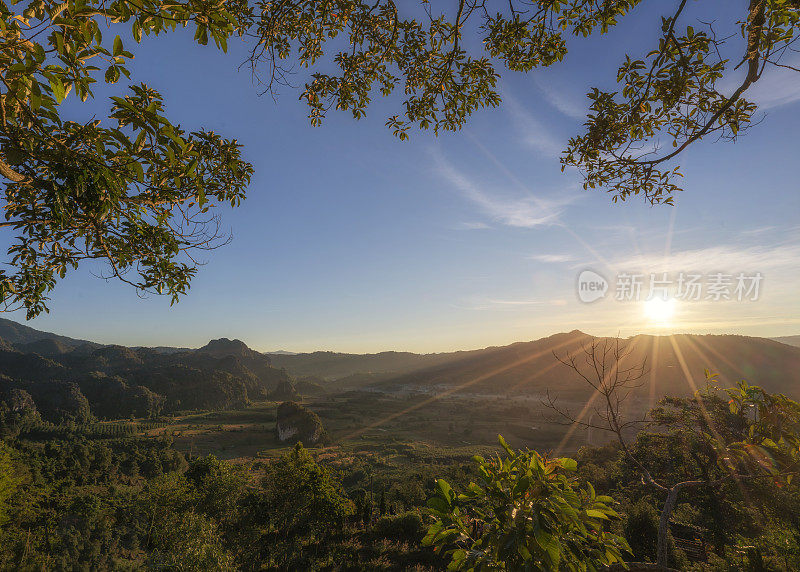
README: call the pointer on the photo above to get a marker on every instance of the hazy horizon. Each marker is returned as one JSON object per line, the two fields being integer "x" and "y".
{"x": 401, "y": 350}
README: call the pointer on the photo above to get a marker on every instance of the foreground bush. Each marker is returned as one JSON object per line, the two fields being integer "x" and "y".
{"x": 528, "y": 513}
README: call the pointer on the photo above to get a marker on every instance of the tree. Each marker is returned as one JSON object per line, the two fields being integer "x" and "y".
{"x": 301, "y": 497}
{"x": 188, "y": 541}
{"x": 133, "y": 190}
{"x": 735, "y": 435}
{"x": 641, "y": 529}
{"x": 445, "y": 61}
{"x": 219, "y": 490}
{"x": 137, "y": 191}
{"x": 528, "y": 513}
{"x": 8, "y": 482}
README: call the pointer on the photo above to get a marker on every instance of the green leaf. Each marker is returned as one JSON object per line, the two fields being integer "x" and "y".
{"x": 569, "y": 464}
{"x": 112, "y": 74}
{"x": 505, "y": 445}
{"x": 445, "y": 490}
{"x": 438, "y": 504}
{"x": 58, "y": 89}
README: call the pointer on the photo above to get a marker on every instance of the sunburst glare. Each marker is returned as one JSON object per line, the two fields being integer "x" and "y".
{"x": 660, "y": 312}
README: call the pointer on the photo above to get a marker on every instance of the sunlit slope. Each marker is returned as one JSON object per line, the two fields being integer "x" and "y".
{"x": 675, "y": 364}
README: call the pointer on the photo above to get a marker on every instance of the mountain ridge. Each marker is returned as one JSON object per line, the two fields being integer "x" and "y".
{"x": 239, "y": 372}
{"x": 675, "y": 364}
{"x": 62, "y": 380}
{"x": 16, "y": 333}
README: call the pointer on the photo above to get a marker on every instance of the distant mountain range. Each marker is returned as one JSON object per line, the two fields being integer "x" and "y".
{"x": 334, "y": 365}
{"x": 788, "y": 340}
{"x": 62, "y": 375}
{"x": 773, "y": 362}
{"x": 675, "y": 365}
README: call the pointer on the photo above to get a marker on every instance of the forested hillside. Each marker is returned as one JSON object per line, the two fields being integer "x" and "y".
{"x": 674, "y": 363}
{"x": 81, "y": 382}
{"x": 73, "y": 379}
{"x": 16, "y": 333}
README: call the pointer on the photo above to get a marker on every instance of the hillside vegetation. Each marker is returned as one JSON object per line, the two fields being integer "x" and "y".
{"x": 108, "y": 382}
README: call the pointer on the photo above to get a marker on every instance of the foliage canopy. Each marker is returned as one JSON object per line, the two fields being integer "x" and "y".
{"x": 528, "y": 513}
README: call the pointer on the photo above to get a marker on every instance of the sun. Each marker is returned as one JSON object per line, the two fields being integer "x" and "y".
{"x": 660, "y": 311}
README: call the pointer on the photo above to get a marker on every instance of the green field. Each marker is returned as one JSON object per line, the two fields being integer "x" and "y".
{"x": 362, "y": 422}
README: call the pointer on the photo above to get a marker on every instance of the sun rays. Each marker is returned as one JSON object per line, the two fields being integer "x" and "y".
{"x": 458, "y": 387}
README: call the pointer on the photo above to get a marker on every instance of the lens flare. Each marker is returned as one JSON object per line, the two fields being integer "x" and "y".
{"x": 659, "y": 311}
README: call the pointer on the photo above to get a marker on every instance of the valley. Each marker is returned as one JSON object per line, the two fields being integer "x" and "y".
{"x": 222, "y": 398}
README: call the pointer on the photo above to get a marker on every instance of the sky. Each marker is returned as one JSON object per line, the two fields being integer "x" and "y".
{"x": 351, "y": 240}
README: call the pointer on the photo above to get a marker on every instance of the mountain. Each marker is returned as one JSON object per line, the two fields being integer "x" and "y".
{"x": 296, "y": 423}
{"x": 165, "y": 349}
{"x": 788, "y": 340}
{"x": 85, "y": 380}
{"x": 19, "y": 334}
{"x": 16, "y": 333}
{"x": 65, "y": 377}
{"x": 530, "y": 367}
{"x": 46, "y": 347}
{"x": 225, "y": 347}
{"x": 675, "y": 365}
{"x": 285, "y": 391}
{"x": 333, "y": 365}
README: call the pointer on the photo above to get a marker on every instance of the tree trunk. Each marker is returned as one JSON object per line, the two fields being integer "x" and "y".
{"x": 663, "y": 526}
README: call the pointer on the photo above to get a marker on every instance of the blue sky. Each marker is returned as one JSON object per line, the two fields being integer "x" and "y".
{"x": 352, "y": 240}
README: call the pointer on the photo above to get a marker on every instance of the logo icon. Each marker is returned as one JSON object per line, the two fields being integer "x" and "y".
{"x": 591, "y": 286}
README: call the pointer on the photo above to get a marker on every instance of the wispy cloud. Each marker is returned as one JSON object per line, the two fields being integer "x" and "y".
{"x": 524, "y": 212}
{"x": 487, "y": 303}
{"x": 731, "y": 258}
{"x": 778, "y": 87}
{"x": 561, "y": 101}
{"x": 472, "y": 226}
{"x": 533, "y": 132}
{"x": 551, "y": 258}
{"x": 509, "y": 304}
{"x": 759, "y": 230}
{"x": 528, "y": 302}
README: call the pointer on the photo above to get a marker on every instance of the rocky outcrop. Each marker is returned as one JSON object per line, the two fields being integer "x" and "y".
{"x": 224, "y": 347}
{"x": 285, "y": 391}
{"x": 18, "y": 400}
{"x": 296, "y": 423}
{"x": 56, "y": 401}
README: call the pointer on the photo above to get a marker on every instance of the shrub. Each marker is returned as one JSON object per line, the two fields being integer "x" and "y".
{"x": 641, "y": 531}
{"x": 407, "y": 526}
{"x": 528, "y": 513}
